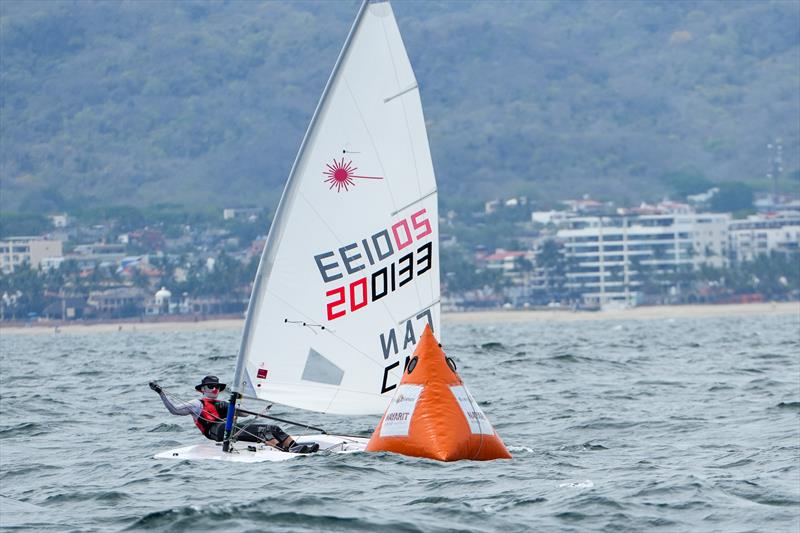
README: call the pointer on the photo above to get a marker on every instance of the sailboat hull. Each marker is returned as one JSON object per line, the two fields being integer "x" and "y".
{"x": 245, "y": 452}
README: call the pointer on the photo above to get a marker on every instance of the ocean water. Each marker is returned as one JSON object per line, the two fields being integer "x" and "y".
{"x": 673, "y": 425}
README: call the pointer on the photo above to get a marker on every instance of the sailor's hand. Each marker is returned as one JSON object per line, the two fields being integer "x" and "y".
{"x": 155, "y": 386}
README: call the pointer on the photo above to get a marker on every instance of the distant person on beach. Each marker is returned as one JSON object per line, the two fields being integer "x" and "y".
{"x": 209, "y": 415}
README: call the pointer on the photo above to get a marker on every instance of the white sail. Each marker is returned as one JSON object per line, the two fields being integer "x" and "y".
{"x": 350, "y": 273}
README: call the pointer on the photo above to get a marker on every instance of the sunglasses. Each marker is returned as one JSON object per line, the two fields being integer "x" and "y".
{"x": 211, "y": 387}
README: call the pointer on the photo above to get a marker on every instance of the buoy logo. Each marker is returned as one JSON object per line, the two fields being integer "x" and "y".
{"x": 400, "y": 399}
{"x": 397, "y": 419}
{"x": 341, "y": 175}
{"x": 478, "y": 423}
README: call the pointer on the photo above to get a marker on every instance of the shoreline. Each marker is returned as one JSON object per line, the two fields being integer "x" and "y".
{"x": 493, "y": 316}
{"x": 635, "y": 313}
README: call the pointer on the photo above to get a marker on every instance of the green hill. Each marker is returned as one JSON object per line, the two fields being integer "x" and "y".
{"x": 205, "y": 103}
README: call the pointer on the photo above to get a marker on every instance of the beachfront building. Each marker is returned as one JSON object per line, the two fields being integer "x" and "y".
{"x": 764, "y": 235}
{"x": 161, "y": 303}
{"x": 119, "y": 302}
{"x": 16, "y": 251}
{"x": 611, "y": 258}
{"x": 506, "y": 261}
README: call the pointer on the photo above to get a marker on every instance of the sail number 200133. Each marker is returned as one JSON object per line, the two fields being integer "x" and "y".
{"x": 376, "y": 250}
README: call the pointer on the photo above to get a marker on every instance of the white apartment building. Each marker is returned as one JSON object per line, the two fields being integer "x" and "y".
{"x": 608, "y": 255}
{"x": 15, "y": 251}
{"x": 762, "y": 235}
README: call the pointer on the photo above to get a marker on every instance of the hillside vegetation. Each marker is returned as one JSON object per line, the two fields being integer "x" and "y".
{"x": 205, "y": 103}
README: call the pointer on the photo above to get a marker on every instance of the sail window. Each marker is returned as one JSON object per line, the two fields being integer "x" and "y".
{"x": 321, "y": 370}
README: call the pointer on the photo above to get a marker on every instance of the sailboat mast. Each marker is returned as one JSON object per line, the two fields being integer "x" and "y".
{"x": 276, "y": 230}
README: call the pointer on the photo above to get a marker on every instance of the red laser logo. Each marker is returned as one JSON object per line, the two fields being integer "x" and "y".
{"x": 341, "y": 175}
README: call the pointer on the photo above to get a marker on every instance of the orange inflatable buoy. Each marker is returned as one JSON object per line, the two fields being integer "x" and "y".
{"x": 433, "y": 414}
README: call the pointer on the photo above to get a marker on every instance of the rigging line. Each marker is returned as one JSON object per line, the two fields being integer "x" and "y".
{"x": 242, "y": 430}
{"x": 417, "y": 313}
{"x": 370, "y": 359}
{"x": 284, "y": 420}
{"x": 333, "y": 398}
{"x": 405, "y": 114}
{"x": 388, "y": 312}
{"x": 319, "y": 216}
{"x": 371, "y": 139}
{"x": 435, "y": 256}
{"x": 418, "y": 200}
{"x": 435, "y": 278}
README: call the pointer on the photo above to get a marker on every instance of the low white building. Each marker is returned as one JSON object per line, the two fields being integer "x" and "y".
{"x": 549, "y": 217}
{"x": 249, "y": 213}
{"x": 60, "y": 221}
{"x": 610, "y": 257}
{"x": 161, "y": 303}
{"x": 15, "y": 251}
{"x": 763, "y": 235}
{"x": 505, "y": 260}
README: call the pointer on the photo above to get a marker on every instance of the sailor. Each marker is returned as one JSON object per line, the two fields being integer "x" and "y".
{"x": 209, "y": 415}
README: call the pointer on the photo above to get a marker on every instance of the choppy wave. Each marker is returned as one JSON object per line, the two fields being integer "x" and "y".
{"x": 626, "y": 426}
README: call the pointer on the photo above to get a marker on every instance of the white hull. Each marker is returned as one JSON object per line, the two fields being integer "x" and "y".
{"x": 248, "y": 452}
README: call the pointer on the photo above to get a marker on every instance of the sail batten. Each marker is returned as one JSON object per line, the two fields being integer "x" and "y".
{"x": 341, "y": 259}
{"x": 401, "y": 93}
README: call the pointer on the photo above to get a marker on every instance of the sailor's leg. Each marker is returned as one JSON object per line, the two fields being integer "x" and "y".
{"x": 287, "y": 442}
{"x": 216, "y": 432}
{"x": 248, "y": 432}
{"x": 270, "y": 431}
{"x": 266, "y": 433}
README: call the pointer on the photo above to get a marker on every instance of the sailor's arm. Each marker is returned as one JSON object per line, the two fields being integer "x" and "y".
{"x": 193, "y": 407}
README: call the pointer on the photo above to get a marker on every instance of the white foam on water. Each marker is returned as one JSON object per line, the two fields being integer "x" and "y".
{"x": 519, "y": 449}
{"x": 585, "y": 484}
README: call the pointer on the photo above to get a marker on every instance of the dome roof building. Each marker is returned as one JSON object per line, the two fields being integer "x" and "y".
{"x": 163, "y": 295}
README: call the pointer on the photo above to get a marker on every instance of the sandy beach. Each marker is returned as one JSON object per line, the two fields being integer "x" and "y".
{"x": 470, "y": 317}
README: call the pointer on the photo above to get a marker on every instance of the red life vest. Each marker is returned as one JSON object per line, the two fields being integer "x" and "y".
{"x": 214, "y": 412}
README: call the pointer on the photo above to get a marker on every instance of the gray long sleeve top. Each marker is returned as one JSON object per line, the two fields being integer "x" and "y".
{"x": 192, "y": 407}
